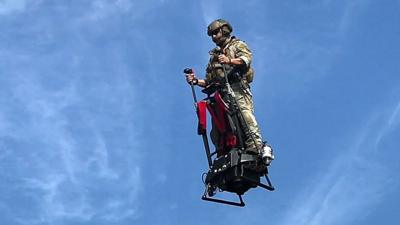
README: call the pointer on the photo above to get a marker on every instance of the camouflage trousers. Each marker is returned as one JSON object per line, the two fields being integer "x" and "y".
{"x": 253, "y": 138}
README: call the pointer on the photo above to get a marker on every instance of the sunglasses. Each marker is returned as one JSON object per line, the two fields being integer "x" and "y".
{"x": 214, "y": 32}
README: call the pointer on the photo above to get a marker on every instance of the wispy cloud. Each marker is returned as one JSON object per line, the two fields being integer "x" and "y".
{"x": 11, "y": 6}
{"x": 352, "y": 10}
{"x": 101, "y": 9}
{"x": 53, "y": 202}
{"x": 300, "y": 59}
{"x": 395, "y": 117}
{"x": 389, "y": 125}
{"x": 49, "y": 152}
{"x": 70, "y": 120}
{"x": 355, "y": 180}
{"x": 59, "y": 152}
{"x": 210, "y": 11}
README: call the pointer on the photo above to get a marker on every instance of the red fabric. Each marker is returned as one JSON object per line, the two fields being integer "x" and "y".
{"x": 216, "y": 117}
{"x": 220, "y": 103}
{"x": 202, "y": 115}
{"x": 231, "y": 141}
{"x": 218, "y": 113}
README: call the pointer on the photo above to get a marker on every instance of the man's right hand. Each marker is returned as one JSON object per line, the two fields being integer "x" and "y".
{"x": 191, "y": 78}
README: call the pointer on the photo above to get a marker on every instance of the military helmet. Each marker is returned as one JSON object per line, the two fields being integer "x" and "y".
{"x": 218, "y": 24}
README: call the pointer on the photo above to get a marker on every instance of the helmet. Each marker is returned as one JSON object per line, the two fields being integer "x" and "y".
{"x": 218, "y": 24}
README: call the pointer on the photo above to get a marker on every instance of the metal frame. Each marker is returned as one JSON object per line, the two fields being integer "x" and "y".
{"x": 267, "y": 186}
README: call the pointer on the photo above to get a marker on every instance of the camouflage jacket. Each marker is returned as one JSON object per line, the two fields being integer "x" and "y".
{"x": 235, "y": 48}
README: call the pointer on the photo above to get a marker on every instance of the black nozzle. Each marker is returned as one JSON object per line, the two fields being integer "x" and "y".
{"x": 188, "y": 70}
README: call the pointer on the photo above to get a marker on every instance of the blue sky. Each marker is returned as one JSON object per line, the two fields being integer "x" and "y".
{"x": 97, "y": 124}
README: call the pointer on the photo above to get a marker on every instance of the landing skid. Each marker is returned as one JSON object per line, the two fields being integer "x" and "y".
{"x": 240, "y": 204}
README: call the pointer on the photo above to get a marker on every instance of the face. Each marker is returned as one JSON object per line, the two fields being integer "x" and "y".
{"x": 217, "y": 36}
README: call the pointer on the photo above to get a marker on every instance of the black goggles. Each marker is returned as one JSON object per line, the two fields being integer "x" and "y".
{"x": 214, "y": 32}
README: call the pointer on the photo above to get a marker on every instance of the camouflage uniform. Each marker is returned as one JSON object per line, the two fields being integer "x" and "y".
{"x": 236, "y": 48}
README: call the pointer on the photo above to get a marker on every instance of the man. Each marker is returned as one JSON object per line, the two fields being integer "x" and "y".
{"x": 232, "y": 57}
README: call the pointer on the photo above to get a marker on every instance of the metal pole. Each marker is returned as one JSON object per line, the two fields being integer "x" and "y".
{"x": 204, "y": 135}
{"x": 232, "y": 94}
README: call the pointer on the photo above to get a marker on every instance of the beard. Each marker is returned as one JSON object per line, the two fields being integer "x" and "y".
{"x": 219, "y": 41}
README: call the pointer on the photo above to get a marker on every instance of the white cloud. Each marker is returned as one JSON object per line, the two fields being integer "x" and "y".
{"x": 389, "y": 125}
{"x": 100, "y": 160}
{"x": 54, "y": 205}
{"x": 4, "y": 124}
{"x": 69, "y": 164}
{"x": 352, "y": 11}
{"x": 11, "y": 6}
{"x": 58, "y": 172}
{"x": 210, "y": 11}
{"x": 301, "y": 58}
{"x": 102, "y": 9}
{"x": 125, "y": 206}
{"x": 57, "y": 160}
{"x": 355, "y": 181}
{"x": 395, "y": 116}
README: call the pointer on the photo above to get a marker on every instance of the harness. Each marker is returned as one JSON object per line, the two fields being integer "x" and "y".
{"x": 235, "y": 73}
